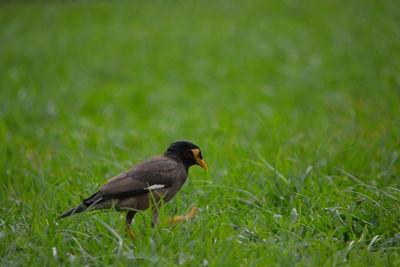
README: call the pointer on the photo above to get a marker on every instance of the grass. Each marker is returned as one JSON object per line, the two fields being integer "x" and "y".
{"x": 295, "y": 106}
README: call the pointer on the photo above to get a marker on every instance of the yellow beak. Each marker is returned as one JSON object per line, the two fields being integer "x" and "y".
{"x": 202, "y": 164}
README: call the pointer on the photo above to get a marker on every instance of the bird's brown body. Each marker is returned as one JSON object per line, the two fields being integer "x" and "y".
{"x": 151, "y": 182}
{"x": 161, "y": 170}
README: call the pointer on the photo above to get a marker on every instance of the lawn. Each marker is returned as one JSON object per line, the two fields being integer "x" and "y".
{"x": 296, "y": 107}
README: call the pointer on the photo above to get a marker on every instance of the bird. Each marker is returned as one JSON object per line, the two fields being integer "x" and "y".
{"x": 150, "y": 183}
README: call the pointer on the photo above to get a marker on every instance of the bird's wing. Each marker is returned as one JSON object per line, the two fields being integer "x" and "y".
{"x": 154, "y": 173}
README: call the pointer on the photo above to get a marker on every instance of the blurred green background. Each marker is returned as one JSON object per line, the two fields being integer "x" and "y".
{"x": 295, "y": 106}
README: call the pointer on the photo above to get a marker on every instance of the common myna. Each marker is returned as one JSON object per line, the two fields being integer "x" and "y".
{"x": 149, "y": 183}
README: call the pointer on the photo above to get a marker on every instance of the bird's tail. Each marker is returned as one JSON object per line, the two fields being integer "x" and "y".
{"x": 77, "y": 209}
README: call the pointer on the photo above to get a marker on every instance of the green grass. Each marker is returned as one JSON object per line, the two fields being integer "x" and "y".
{"x": 296, "y": 107}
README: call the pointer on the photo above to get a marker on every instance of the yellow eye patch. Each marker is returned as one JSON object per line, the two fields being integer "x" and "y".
{"x": 196, "y": 153}
{"x": 199, "y": 160}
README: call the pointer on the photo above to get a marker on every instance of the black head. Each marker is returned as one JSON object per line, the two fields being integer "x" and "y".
{"x": 187, "y": 152}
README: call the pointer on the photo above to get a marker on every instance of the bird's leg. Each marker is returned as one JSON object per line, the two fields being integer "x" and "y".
{"x": 154, "y": 220}
{"x": 179, "y": 218}
{"x": 128, "y": 220}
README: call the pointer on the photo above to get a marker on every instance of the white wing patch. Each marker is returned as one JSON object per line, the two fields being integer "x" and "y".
{"x": 155, "y": 186}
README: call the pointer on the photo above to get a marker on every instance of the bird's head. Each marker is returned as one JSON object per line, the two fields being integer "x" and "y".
{"x": 187, "y": 152}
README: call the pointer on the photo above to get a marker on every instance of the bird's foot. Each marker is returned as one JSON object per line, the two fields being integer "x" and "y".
{"x": 192, "y": 212}
{"x": 186, "y": 217}
{"x": 130, "y": 233}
